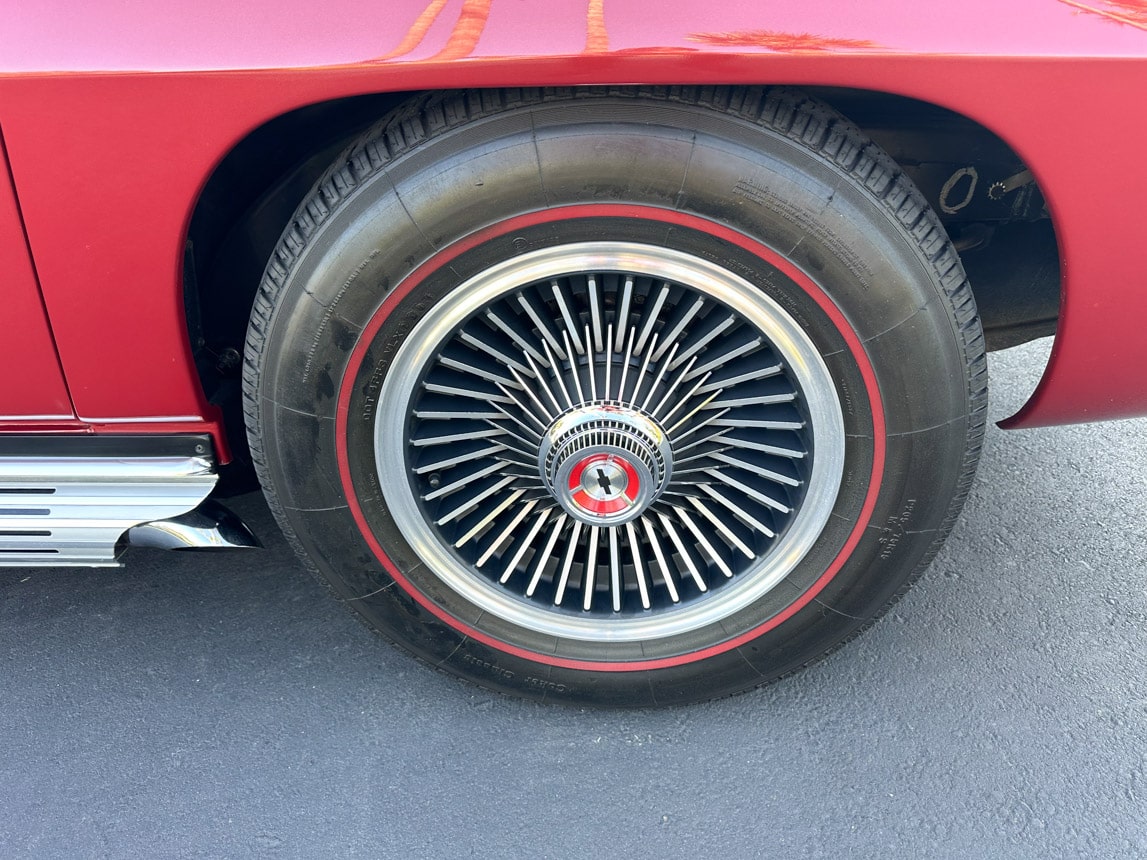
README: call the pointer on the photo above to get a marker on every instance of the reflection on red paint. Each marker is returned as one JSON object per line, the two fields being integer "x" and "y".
{"x": 418, "y": 30}
{"x": 787, "y": 42}
{"x": 471, "y": 23}
{"x": 596, "y": 37}
{"x": 1130, "y": 12}
{"x": 463, "y": 38}
{"x": 467, "y": 31}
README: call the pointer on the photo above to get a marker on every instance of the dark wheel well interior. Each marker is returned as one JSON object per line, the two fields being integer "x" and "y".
{"x": 984, "y": 194}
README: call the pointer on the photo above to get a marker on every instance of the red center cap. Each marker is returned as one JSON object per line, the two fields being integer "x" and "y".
{"x": 604, "y": 484}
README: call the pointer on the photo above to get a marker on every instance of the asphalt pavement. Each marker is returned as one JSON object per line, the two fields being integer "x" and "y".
{"x": 195, "y": 705}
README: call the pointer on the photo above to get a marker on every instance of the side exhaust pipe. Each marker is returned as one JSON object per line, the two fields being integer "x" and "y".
{"x": 209, "y": 526}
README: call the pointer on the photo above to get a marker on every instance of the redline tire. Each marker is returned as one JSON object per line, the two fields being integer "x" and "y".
{"x": 463, "y": 418}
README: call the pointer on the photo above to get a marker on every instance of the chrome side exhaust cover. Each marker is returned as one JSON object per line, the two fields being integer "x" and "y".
{"x": 57, "y": 509}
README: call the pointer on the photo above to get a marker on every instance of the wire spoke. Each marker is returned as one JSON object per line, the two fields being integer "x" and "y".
{"x": 481, "y": 525}
{"x": 670, "y": 337}
{"x": 567, "y": 318}
{"x": 567, "y": 563}
{"x": 479, "y": 372}
{"x": 622, "y": 319}
{"x": 751, "y": 376}
{"x": 591, "y": 566}
{"x": 650, "y": 318}
{"x": 730, "y": 536}
{"x": 519, "y": 340}
{"x": 542, "y": 326}
{"x": 470, "y": 504}
{"x": 768, "y": 474}
{"x": 451, "y": 438}
{"x": 497, "y": 355}
{"x": 525, "y": 545}
{"x": 638, "y": 565}
{"x": 509, "y": 529}
{"x": 776, "y": 451}
{"x": 615, "y": 569}
{"x": 541, "y": 558}
{"x": 705, "y": 340}
{"x": 703, "y": 540}
{"x": 446, "y": 463}
{"x": 659, "y": 554}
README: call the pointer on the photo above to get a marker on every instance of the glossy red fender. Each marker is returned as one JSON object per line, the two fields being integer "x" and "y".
{"x": 115, "y": 113}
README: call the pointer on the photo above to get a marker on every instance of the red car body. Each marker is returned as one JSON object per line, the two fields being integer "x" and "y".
{"x": 115, "y": 115}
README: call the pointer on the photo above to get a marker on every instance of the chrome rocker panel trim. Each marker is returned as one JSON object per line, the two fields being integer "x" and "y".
{"x": 59, "y": 510}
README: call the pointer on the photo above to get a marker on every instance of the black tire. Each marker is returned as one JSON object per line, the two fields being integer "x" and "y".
{"x": 759, "y": 205}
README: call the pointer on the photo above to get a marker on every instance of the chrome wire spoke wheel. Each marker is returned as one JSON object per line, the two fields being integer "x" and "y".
{"x": 609, "y": 442}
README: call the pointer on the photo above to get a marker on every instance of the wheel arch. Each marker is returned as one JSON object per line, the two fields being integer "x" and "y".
{"x": 1008, "y": 246}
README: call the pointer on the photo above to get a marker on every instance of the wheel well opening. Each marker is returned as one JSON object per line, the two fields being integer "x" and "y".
{"x": 238, "y": 219}
{"x": 986, "y": 197}
{"x": 982, "y": 191}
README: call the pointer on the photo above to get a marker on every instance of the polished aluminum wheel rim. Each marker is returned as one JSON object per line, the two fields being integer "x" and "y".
{"x": 609, "y": 442}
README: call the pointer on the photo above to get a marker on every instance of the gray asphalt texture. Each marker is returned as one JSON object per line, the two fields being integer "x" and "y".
{"x": 224, "y": 706}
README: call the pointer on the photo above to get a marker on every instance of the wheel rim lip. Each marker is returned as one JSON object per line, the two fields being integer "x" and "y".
{"x": 791, "y": 342}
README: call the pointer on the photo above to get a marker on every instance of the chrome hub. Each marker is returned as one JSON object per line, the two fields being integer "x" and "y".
{"x": 605, "y": 463}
